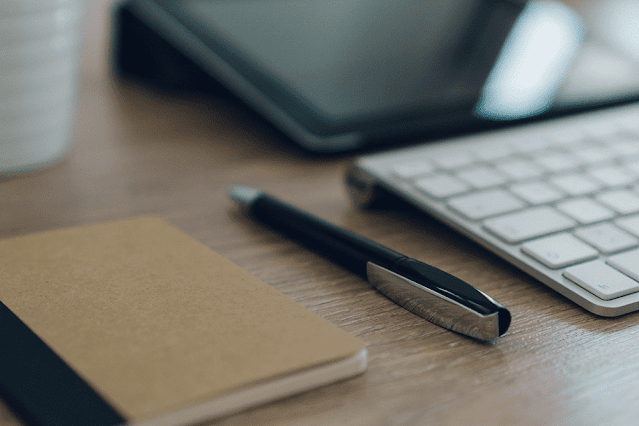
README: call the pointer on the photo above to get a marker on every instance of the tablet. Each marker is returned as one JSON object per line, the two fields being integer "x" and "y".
{"x": 337, "y": 75}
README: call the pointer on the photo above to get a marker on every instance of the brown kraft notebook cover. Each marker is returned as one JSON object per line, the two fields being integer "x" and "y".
{"x": 161, "y": 328}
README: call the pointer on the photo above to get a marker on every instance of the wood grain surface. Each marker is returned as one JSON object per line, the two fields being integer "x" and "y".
{"x": 140, "y": 151}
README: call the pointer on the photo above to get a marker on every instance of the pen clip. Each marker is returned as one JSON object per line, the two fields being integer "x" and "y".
{"x": 437, "y": 307}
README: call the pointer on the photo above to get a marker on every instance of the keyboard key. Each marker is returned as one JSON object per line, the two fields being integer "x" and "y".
{"x": 536, "y": 192}
{"x": 612, "y": 176}
{"x": 625, "y": 147}
{"x": 531, "y": 144}
{"x": 602, "y": 130}
{"x": 585, "y": 210}
{"x": 628, "y": 263}
{"x": 621, "y": 201}
{"x": 482, "y": 177}
{"x": 568, "y": 135}
{"x": 627, "y": 133}
{"x": 633, "y": 166}
{"x": 607, "y": 238}
{"x": 630, "y": 224}
{"x": 441, "y": 186}
{"x": 493, "y": 151}
{"x": 601, "y": 280}
{"x": 520, "y": 169}
{"x": 453, "y": 159}
{"x": 483, "y": 204}
{"x": 557, "y": 162}
{"x": 413, "y": 169}
{"x": 576, "y": 185}
{"x": 558, "y": 251}
{"x": 528, "y": 224}
{"x": 595, "y": 155}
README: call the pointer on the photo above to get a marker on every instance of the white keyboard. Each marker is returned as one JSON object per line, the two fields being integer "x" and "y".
{"x": 558, "y": 199}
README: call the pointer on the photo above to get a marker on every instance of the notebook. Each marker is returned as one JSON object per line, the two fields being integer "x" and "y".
{"x": 134, "y": 322}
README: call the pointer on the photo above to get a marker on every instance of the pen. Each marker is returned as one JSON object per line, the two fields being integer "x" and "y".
{"x": 422, "y": 289}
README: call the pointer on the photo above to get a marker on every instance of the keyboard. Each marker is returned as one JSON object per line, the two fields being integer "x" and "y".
{"x": 558, "y": 199}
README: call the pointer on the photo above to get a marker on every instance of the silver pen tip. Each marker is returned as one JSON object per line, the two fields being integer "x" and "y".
{"x": 244, "y": 196}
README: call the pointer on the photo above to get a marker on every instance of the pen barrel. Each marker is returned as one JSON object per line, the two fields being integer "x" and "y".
{"x": 346, "y": 248}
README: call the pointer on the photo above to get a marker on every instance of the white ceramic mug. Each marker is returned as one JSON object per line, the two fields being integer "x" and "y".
{"x": 40, "y": 43}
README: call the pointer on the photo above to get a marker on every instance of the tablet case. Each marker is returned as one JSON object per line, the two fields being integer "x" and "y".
{"x": 135, "y": 322}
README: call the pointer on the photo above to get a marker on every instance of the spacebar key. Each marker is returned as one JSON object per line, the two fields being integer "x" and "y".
{"x": 527, "y": 224}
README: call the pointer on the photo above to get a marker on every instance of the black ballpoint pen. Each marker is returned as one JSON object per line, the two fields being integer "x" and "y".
{"x": 420, "y": 288}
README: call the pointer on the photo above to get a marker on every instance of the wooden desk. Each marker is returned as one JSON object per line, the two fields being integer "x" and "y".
{"x": 140, "y": 152}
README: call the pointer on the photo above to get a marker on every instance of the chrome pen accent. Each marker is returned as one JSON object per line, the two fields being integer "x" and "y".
{"x": 433, "y": 306}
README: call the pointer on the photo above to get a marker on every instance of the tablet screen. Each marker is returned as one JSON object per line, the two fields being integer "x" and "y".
{"x": 356, "y": 60}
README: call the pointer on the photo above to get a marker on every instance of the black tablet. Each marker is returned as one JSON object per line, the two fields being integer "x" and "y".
{"x": 336, "y": 75}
